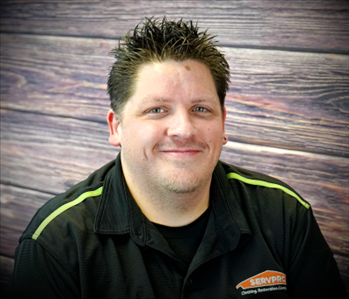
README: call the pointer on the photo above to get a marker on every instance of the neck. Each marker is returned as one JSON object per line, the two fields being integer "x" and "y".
{"x": 174, "y": 209}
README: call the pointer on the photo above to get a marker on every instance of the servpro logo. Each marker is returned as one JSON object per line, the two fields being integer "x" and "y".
{"x": 266, "y": 278}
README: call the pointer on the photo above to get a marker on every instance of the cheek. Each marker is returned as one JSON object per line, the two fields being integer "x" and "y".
{"x": 214, "y": 133}
{"x": 143, "y": 135}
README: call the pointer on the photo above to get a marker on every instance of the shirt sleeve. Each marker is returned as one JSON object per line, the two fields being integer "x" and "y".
{"x": 313, "y": 271}
{"x": 38, "y": 274}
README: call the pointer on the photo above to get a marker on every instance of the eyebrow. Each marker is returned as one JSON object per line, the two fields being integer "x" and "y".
{"x": 151, "y": 98}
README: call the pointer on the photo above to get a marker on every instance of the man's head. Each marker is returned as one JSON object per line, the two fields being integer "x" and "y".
{"x": 159, "y": 41}
{"x": 171, "y": 127}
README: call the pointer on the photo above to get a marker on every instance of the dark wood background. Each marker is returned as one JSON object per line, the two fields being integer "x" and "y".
{"x": 288, "y": 103}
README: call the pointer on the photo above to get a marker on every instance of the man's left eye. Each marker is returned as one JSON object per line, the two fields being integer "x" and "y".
{"x": 200, "y": 109}
{"x": 156, "y": 110}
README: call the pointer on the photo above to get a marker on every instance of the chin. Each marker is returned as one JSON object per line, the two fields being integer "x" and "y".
{"x": 182, "y": 184}
{"x": 180, "y": 189}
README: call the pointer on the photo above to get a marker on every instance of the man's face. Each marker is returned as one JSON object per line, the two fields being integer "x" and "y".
{"x": 172, "y": 128}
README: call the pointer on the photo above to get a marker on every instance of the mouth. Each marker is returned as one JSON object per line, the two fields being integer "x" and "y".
{"x": 181, "y": 153}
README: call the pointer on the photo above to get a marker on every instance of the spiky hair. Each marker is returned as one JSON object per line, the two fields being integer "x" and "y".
{"x": 156, "y": 40}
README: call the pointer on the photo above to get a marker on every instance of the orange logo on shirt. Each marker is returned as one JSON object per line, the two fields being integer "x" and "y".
{"x": 266, "y": 278}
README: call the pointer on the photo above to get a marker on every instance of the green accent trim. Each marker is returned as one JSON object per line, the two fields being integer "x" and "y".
{"x": 63, "y": 208}
{"x": 268, "y": 185}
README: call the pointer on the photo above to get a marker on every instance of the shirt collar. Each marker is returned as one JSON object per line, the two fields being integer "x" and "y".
{"x": 230, "y": 218}
{"x": 118, "y": 213}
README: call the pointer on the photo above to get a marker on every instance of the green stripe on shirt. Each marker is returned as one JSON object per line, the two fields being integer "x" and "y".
{"x": 63, "y": 208}
{"x": 267, "y": 185}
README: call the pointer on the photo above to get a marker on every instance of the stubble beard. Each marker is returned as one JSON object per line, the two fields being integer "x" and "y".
{"x": 176, "y": 186}
{"x": 176, "y": 183}
{"x": 179, "y": 193}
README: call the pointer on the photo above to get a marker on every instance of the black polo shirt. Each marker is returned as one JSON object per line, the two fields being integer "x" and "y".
{"x": 261, "y": 241}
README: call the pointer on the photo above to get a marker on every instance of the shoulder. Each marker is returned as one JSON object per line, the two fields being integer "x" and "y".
{"x": 277, "y": 215}
{"x": 71, "y": 210}
{"x": 267, "y": 189}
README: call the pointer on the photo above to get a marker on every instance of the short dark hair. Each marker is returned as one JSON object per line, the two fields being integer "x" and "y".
{"x": 156, "y": 40}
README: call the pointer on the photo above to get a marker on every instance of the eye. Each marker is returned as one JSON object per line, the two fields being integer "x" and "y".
{"x": 200, "y": 109}
{"x": 156, "y": 110}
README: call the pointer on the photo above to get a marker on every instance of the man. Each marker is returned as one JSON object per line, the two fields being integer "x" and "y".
{"x": 167, "y": 219}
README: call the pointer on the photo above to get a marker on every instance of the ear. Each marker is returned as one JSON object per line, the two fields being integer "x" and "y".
{"x": 225, "y": 136}
{"x": 114, "y": 128}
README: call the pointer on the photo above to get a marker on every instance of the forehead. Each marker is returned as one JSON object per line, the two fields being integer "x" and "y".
{"x": 174, "y": 80}
{"x": 174, "y": 68}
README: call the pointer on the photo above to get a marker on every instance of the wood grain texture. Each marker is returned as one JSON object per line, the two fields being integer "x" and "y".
{"x": 309, "y": 25}
{"x": 6, "y": 266}
{"x": 288, "y": 103}
{"x": 295, "y": 100}
{"x": 18, "y": 207}
{"x": 60, "y": 151}
{"x": 282, "y": 99}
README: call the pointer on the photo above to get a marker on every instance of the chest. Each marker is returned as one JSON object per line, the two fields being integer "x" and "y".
{"x": 124, "y": 269}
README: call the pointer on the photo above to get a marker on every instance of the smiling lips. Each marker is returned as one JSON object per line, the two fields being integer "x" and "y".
{"x": 181, "y": 150}
{"x": 189, "y": 149}
{"x": 181, "y": 153}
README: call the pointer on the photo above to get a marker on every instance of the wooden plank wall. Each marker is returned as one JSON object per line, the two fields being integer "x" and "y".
{"x": 288, "y": 103}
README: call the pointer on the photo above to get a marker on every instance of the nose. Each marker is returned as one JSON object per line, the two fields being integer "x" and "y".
{"x": 181, "y": 125}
